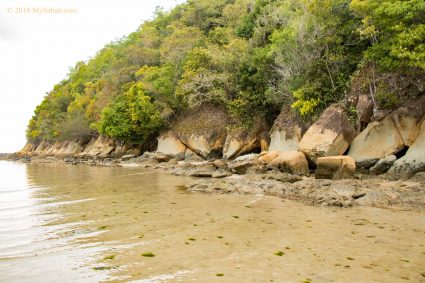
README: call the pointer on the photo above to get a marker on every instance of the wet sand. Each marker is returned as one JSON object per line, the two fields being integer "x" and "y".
{"x": 88, "y": 224}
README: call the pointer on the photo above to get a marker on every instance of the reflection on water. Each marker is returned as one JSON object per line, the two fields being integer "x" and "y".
{"x": 61, "y": 223}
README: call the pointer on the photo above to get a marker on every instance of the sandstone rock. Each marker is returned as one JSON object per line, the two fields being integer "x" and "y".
{"x": 204, "y": 130}
{"x": 168, "y": 143}
{"x": 383, "y": 165}
{"x": 241, "y": 164}
{"x": 221, "y": 174}
{"x": 127, "y": 157}
{"x": 335, "y": 167}
{"x": 283, "y": 177}
{"x": 285, "y": 140}
{"x": 286, "y": 132}
{"x": 264, "y": 144}
{"x": 192, "y": 156}
{"x": 257, "y": 169}
{"x": 378, "y": 140}
{"x": 414, "y": 160}
{"x": 364, "y": 109}
{"x": 101, "y": 146}
{"x": 28, "y": 148}
{"x": 408, "y": 119}
{"x": 239, "y": 143}
{"x": 220, "y": 164}
{"x": 205, "y": 170}
{"x": 290, "y": 161}
{"x": 266, "y": 158}
{"x": 331, "y": 135}
{"x": 390, "y": 135}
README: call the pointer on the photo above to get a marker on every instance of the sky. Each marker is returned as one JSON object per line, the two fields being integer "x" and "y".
{"x": 37, "y": 48}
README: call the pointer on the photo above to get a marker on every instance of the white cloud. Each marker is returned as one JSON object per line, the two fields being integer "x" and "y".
{"x": 36, "y": 50}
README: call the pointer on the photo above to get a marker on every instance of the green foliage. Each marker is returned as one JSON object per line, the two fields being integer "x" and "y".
{"x": 396, "y": 30}
{"x": 385, "y": 98}
{"x": 251, "y": 57}
{"x": 131, "y": 117}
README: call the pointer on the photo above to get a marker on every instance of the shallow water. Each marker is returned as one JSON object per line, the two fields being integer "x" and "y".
{"x": 64, "y": 223}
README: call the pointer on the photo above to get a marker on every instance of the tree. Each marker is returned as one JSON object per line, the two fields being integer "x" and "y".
{"x": 131, "y": 117}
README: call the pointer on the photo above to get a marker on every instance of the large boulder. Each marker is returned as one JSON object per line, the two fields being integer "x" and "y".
{"x": 383, "y": 165}
{"x": 335, "y": 167}
{"x": 241, "y": 164}
{"x": 414, "y": 159}
{"x": 389, "y": 136}
{"x": 331, "y": 135}
{"x": 266, "y": 157}
{"x": 240, "y": 142}
{"x": 204, "y": 130}
{"x": 378, "y": 140}
{"x": 286, "y": 132}
{"x": 293, "y": 162}
{"x": 168, "y": 143}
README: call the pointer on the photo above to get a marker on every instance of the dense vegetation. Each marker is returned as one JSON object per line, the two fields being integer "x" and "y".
{"x": 250, "y": 56}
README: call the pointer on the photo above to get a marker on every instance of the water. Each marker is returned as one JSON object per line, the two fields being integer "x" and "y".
{"x": 64, "y": 223}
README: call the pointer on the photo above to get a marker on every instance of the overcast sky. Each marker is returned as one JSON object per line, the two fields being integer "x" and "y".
{"x": 37, "y": 49}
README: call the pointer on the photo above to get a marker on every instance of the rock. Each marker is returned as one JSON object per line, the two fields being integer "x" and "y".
{"x": 101, "y": 146}
{"x": 294, "y": 162}
{"x": 390, "y": 135}
{"x": 378, "y": 140}
{"x": 127, "y": 157}
{"x": 205, "y": 170}
{"x": 383, "y": 165}
{"x": 364, "y": 109}
{"x": 204, "y": 130}
{"x": 192, "y": 156}
{"x": 239, "y": 143}
{"x": 169, "y": 143}
{"x": 331, "y": 135}
{"x": 283, "y": 177}
{"x": 414, "y": 159}
{"x": 286, "y": 132}
{"x": 221, "y": 174}
{"x": 335, "y": 167}
{"x": 258, "y": 169}
{"x": 162, "y": 157}
{"x": 220, "y": 164}
{"x": 285, "y": 140}
{"x": 267, "y": 157}
{"x": 408, "y": 120}
{"x": 241, "y": 164}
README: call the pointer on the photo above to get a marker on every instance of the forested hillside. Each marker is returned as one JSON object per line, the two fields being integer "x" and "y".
{"x": 250, "y": 57}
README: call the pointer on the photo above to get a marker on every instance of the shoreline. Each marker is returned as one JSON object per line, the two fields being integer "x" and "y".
{"x": 215, "y": 177}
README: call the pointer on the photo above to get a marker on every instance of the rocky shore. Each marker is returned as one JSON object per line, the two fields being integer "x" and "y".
{"x": 245, "y": 176}
{"x": 330, "y": 162}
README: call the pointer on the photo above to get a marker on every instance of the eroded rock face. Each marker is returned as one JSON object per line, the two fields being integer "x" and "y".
{"x": 378, "y": 140}
{"x": 168, "y": 143}
{"x": 240, "y": 143}
{"x": 335, "y": 167}
{"x": 204, "y": 131}
{"x": 383, "y": 165}
{"x": 266, "y": 157}
{"x": 285, "y": 140}
{"x": 389, "y": 135}
{"x": 331, "y": 135}
{"x": 101, "y": 146}
{"x": 293, "y": 162}
{"x": 414, "y": 160}
{"x": 286, "y": 132}
{"x": 241, "y": 164}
